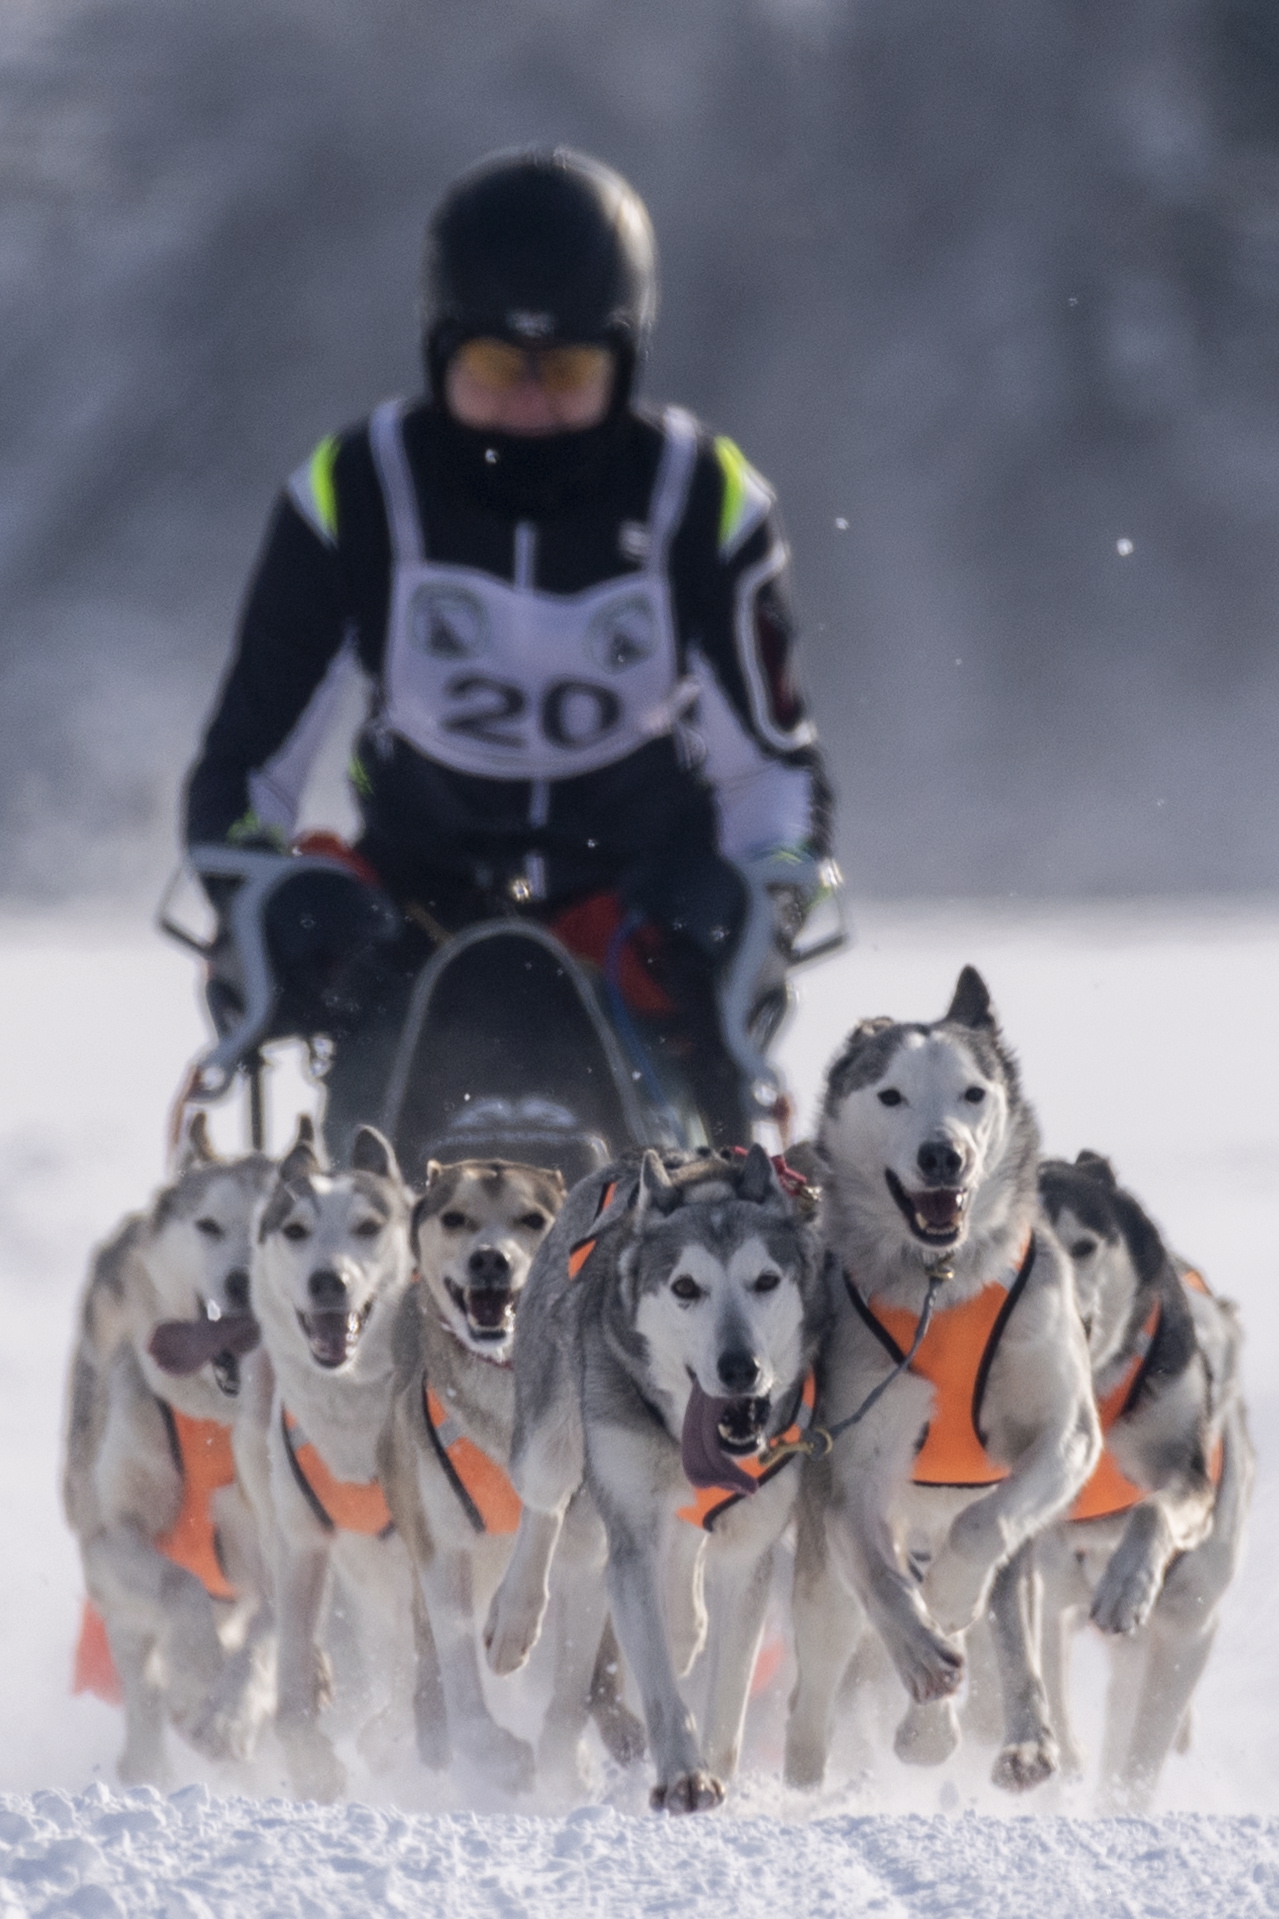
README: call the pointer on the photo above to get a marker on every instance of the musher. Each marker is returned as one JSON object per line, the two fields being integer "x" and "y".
{"x": 571, "y": 616}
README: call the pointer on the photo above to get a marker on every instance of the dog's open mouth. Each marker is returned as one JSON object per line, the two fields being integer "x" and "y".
{"x": 489, "y": 1311}
{"x": 934, "y": 1215}
{"x": 333, "y": 1337}
{"x": 714, "y": 1432}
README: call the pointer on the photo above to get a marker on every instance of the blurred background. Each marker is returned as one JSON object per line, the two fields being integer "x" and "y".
{"x": 989, "y": 292}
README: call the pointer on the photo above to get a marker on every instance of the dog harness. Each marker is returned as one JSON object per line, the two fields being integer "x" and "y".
{"x": 340, "y": 1505}
{"x": 955, "y": 1358}
{"x": 507, "y": 681}
{"x": 201, "y": 1450}
{"x": 484, "y": 1492}
{"x": 1110, "y": 1491}
{"x": 585, "y": 1247}
{"x": 710, "y": 1502}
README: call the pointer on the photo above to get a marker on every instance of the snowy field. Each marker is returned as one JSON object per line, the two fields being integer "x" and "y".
{"x": 1147, "y": 1033}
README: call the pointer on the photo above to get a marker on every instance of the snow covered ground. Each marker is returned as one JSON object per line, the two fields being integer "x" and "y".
{"x": 1146, "y": 1032}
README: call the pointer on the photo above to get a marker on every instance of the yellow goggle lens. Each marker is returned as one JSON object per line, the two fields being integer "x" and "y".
{"x": 500, "y": 366}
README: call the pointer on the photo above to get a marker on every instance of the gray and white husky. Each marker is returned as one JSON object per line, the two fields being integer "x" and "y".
{"x": 331, "y": 1267}
{"x": 929, "y": 1152}
{"x": 667, "y": 1330}
{"x": 1151, "y": 1561}
{"x": 168, "y": 1541}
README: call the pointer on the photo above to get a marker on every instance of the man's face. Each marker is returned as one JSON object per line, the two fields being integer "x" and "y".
{"x": 534, "y": 390}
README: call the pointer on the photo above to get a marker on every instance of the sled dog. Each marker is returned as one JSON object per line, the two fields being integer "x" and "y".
{"x": 168, "y": 1542}
{"x": 1151, "y": 1543}
{"x": 666, "y": 1338}
{"x": 930, "y": 1153}
{"x": 331, "y": 1265}
{"x": 447, "y": 1448}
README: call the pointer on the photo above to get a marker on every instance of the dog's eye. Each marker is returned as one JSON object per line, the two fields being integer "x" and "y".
{"x": 533, "y": 1221}
{"x": 975, "y": 1095}
{"x": 453, "y": 1222}
{"x": 368, "y": 1229}
{"x": 209, "y": 1227}
{"x": 768, "y": 1282}
{"x": 1080, "y": 1248}
{"x": 891, "y": 1097}
{"x": 686, "y": 1287}
{"x": 295, "y": 1230}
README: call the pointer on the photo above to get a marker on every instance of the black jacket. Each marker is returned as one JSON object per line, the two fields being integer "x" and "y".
{"x": 737, "y": 771}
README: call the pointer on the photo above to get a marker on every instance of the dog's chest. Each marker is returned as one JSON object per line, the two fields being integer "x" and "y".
{"x": 343, "y": 1425}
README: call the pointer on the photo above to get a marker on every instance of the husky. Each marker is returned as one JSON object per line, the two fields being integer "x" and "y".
{"x": 331, "y": 1265}
{"x": 446, "y": 1454}
{"x": 667, "y": 1332}
{"x": 1151, "y": 1544}
{"x": 168, "y": 1541}
{"x": 931, "y": 1487}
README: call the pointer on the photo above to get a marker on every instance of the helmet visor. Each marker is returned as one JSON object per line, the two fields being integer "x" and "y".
{"x": 563, "y": 371}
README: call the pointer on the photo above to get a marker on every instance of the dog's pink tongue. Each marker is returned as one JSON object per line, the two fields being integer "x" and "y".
{"x": 184, "y": 1345}
{"x": 705, "y": 1461}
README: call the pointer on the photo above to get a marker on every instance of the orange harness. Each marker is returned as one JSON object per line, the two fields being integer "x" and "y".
{"x": 585, "y": 1247}
{"x": 340, "y": 1505}
{"x": 955, "y": 1358}
{"x": 201, "y": 1450}
{"x": 709, "y": 1502}
{"x": 484, "y": 1492}
{"x": 1110, "y": 1491}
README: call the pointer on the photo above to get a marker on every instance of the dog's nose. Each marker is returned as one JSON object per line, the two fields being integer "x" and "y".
{"x": 940, "y": 1161}
{"x": 236, "y": 1288}
{"x": 327, "y": 1288}
{"x": 739, "y": 1370}
{"x": 488, "y": 1267}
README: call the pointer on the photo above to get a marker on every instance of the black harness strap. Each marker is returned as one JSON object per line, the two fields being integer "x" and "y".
{"x": 305, "y": 1487}
{"x": 451, "y": 1473}
{"x": 1015, "y": 1292}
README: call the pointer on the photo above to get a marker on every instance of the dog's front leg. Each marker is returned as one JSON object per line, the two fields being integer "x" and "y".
{"x": 1164, "y": 1525}
{"x": 827, "y": 1623}
{"x": 518, "y": 1607}
{"x": 315, "y": 1771}
{"x": 864, "y": 1551}
{"x": 635, "y": 1593}
{"x": 473, "y": 1732}
{"x": 989, "y": 1531}
{"x": 1030, "y": 1753}
{"x": 738, "y": 1584}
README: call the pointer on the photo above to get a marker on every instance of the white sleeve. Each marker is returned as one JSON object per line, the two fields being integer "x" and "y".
{"x": 276, "y": 789}
{"x": 761, "y": 801}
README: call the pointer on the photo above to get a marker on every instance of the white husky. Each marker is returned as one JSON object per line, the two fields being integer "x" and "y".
{"x": 1153, "y": 1540}
{"x": 665, "y": 1337}
{"x": 331, "y": 1267}
{"x": 930, "y": 1156}
{"x": 168, "y": 1541}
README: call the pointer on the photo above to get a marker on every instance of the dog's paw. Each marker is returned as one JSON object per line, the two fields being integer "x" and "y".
{"x": 928, "y": 1734}
{"x": 690, "y": 1792}
{"x": 314, "y": 1769}
{"x": 930, "y": 1667}
{"x": 1019, "y": 1768}
{"x": 1125, "y": 1596}
{"x": 504, "y": 1760}
{"x": 511, "y": 1630}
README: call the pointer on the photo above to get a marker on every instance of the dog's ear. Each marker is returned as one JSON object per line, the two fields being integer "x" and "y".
{"x": 197, "y": 1148}
{"x": 301, "y": 1160}
{"x": 416, "y": 1218}
{"x": 656, "y": 1188}
{"x": 433, "y": 1171}
{"x": 758, "y": 1181}
{"x": 1097, "y": 1167}
{"x": 805, "y": 1158}
{"x": 971, "y": 1003}
{"x": 374, "y": 1153}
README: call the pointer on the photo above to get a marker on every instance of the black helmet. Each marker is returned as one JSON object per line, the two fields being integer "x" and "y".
{"x": 540, "y": 248}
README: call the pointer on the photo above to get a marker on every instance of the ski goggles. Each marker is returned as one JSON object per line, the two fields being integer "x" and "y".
{"x": 501, "y": 367}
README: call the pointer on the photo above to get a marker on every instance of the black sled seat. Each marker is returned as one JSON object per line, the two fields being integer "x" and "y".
{"x": 506, "y": 1055}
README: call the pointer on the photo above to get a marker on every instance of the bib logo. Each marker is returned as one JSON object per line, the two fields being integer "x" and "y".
{"x": 448, "y": 623}
{"x": 622, "y": 634}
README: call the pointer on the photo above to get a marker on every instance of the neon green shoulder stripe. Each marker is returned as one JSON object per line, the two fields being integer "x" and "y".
{"x": 313, "y": 493}
{"x": 321, "y": 477}
{"x": 746, "y": 500}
